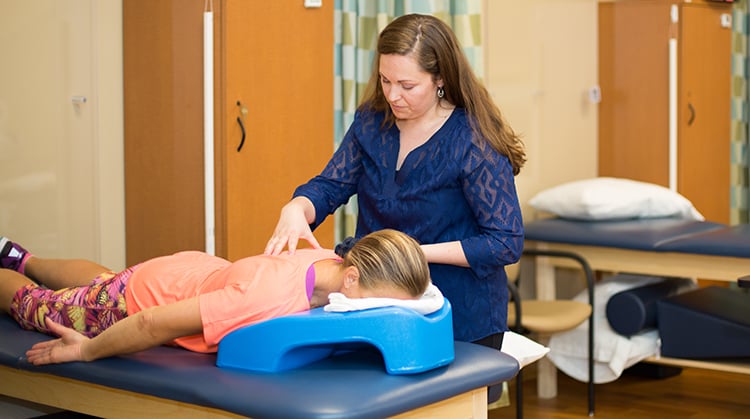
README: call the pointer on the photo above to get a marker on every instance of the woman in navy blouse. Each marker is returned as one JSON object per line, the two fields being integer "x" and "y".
{"x": 429, "y": 154}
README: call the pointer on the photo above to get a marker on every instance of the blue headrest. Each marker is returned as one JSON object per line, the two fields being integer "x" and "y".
{"x": 409, "y": 342}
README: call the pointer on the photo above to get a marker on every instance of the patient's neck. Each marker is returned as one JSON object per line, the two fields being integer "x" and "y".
{"x": 329, "y": 276}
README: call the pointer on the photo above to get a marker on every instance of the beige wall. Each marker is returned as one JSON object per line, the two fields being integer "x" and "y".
{"x": 109, "y": 131}
{"x": 61, "y": 166}
{"x": 541, "y": 61}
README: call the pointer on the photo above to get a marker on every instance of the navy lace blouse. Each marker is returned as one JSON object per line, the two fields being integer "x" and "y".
{"x": 450, "y": 188}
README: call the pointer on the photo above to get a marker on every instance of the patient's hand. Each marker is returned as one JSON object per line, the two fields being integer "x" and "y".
{"x": 67, "y": 348}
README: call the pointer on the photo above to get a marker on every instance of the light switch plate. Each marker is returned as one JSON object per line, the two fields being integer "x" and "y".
{"x": 313, "y": 3}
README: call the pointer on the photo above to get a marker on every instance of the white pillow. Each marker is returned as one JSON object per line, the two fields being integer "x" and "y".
{"x": 522, "y": 348}
{"x": 606, "y": 198}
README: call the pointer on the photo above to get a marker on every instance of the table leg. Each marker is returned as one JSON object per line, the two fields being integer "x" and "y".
{"x": 546, "y": 289}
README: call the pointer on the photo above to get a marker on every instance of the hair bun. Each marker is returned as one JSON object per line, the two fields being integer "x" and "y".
{"x": 345, "y": 246}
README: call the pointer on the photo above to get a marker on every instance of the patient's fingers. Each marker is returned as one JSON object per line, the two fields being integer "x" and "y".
{"x": 60, "y": 330}
{"x": 44, "y": 345}
{"x": 53, "y": 354}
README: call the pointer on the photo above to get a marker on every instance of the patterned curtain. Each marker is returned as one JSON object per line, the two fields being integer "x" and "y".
{"x": 740, "y": 158}
{"x": 357, "y": 25}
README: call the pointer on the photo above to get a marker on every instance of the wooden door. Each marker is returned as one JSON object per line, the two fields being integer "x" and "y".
{"x": 275, "y": 59}
{"x": 163, "y": 89}
{"x": 634, "y": 111}
{"x": 634, "y": 81}
{"x": 704, "y": 110}
{"x": 276, "y": 76}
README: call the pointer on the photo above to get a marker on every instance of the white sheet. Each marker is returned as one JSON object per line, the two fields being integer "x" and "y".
{"x": 525, "y": 350}
{"x": 431, "y": 301}
{"x": 613, "y": 353}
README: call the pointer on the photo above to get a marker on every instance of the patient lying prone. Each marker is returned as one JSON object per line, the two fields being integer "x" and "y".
{"x": 192, "y": 299}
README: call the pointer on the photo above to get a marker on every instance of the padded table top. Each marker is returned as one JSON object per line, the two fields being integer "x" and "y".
{"x": 652, "y": 234}
{"x": 728, "y": 241}
{"x": 351, "y": 384}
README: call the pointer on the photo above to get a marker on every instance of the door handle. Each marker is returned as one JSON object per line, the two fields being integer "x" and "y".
{"x": 243, "y": 113}
{"x": 691, "y": 117}
{"x": 242, "y": 128}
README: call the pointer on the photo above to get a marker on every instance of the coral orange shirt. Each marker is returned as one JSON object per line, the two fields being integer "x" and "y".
{"x": 232, "y": 295}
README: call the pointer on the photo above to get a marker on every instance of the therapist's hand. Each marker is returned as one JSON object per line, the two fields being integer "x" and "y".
{"x": 293, "y": 225}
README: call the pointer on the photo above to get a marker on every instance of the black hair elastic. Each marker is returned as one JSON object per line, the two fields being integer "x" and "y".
{"x": 345, "y": 246}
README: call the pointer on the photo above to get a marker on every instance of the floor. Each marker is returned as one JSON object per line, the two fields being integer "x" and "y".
{"x": 11, "y": 408}
{"x": 691, "y": 394}
{"x": 18, "y": 409}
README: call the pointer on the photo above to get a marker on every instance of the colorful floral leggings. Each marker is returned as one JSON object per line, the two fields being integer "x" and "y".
{"x": 88, "y": 309}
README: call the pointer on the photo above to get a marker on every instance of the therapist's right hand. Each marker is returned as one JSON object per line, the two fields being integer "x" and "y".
{"x": 293, "y": 225}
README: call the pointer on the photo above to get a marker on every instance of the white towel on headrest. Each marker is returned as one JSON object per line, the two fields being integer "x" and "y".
{"x": 430, "y": 302}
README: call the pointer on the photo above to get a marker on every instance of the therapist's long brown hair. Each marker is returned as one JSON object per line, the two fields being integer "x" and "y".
{"x": 435, "y": 47}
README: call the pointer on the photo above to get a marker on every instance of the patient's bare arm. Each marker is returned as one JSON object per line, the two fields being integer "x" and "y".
{"x": 146, "y": 329}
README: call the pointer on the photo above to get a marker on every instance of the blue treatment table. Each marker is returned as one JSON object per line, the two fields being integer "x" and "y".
{"x": 170, "y": 382}
{"x": 660, "y": 247}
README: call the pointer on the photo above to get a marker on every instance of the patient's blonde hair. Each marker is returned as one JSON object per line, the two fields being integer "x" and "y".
{"x": 390, "y": 256}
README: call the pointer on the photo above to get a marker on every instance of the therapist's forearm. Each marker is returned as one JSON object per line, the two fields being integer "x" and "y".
{"x": 449, "y": 253}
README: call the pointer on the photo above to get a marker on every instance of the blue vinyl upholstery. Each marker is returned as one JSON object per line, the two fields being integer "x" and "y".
{"x": 727, "y": 241}
{"x": 650, "y": 234}
{"x": 351, "y": 384}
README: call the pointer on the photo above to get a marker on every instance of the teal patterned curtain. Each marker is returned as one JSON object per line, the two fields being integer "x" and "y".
{"x": 357, "y": 25}
{"x": 740, "y": 158}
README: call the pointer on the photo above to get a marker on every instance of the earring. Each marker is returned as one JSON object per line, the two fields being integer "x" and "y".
{"x": 440, "y": 92}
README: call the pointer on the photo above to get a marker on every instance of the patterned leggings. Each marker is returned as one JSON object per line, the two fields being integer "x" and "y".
{"x": 89, "y": 309}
